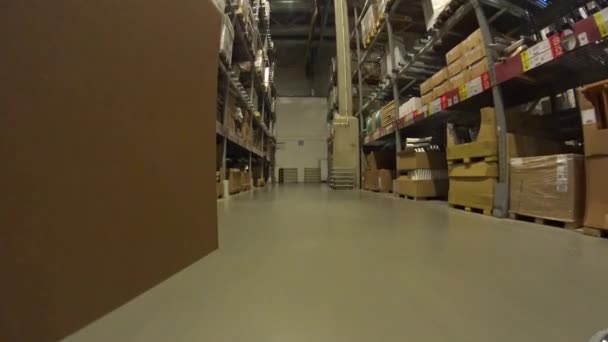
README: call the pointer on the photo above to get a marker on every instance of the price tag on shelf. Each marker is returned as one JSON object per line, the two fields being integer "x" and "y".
{"x": 435, "y": 106}
{"x": 601, "y": 23}
{"x": 463, "y": 92}
{"x": 475, "y": 87}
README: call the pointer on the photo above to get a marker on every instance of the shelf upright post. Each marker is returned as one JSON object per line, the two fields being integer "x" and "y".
{"x": 360, "y": 89}
{"x": 501, "y": 193}
{"x": 224, "y": 121}
{"x": 393, "y": 76}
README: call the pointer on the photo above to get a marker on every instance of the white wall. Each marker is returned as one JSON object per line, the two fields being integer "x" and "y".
{"x": 301, "y": 118}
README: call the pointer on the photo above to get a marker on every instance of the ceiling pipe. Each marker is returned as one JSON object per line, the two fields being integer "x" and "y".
{"x": 313, "y": 22}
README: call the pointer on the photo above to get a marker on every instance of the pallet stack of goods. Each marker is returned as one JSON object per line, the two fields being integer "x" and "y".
{"x": 593, "y": 101}
{"x": 473, "y": 168}
{"x": 548, "y": 189}
{"x": 388, "y": 114}
{"x": 378, "y": 176}
{"x": 260, "y": 183}
{"x": 422, "y": 171}
{"x": 465, "y": 62}
{"x": 245, "y": 180}
{"x": 234, "y": 181}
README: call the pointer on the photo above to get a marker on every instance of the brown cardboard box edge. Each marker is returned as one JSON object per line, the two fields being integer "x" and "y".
{"x": 422, "y": 188}
{"x": 409, "y": 159}
{"x": 596, "y": 211}
{"x": 121, "y": 167}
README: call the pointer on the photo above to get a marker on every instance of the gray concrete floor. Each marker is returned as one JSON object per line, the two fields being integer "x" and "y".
{"x": 303, "y": 263}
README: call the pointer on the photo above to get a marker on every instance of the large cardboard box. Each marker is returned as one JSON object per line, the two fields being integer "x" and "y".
{"x": 479, "y": 169}
{"x": 473, "y": 192}
{"x": 593, "y": 102}
{"x": 108, "y": 159}
{"x": 422, "y": 188}
{"x": 550, "y": 187}
{"x": 377, "y": 160}
{"x": 596, "y": 212}
{"x": 411, "y": 159}
{"x": 371, "y": 180}
{"x": 458, "y": 80}
{"x": 234, "y": 181}
{"x": 385, "y": 180}
{"x": 426, "y": 98}
{"x": 245, "y": 181}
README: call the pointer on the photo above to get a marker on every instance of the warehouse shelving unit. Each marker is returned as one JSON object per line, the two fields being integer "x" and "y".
{"x": 251, "y": 91}
{"x": 505, "y": 84}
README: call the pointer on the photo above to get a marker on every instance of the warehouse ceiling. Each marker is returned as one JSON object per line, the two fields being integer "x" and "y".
{"x": 291, "y": 19}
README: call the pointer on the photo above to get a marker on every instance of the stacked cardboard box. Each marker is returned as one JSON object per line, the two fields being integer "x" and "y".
{"x": 473, "y": 168}
{"x": 549, "y": 187}
{"x": 593, "y": 102}
{"x": 234, "y": 181}
{"x": 425, "y": 173}
{"x": 379, "y": 173}
{"x": 388, "y": 114}
{"x": 260, "y": 183}
{"x": 409, "y": 107}
{"x": 466, "y": 61}
{"x": 245, "y": 180}
{"x": 435, "y": 86}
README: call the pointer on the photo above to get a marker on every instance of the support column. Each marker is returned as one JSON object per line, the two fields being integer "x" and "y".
{"x": 343, "y": 58}
{"x": 501, "y": 192}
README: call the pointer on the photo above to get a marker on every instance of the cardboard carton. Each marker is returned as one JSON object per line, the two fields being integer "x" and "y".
{"x": 234, "y": 180}
{"x": 456, "y": 67}
{"x": 596, "y": 211}
{"x": 410, "y": 159}
{"x": 441, "y": 89}
{"x": 550, "y": 187}
{"x": 439, "y": 77}
{"x": 422, "y": 188}
{"x": 593, "y": 102}
{"x": 385, "y": 180}
{"x": 371, "y": 180}
{"x": 473, "y": 41}
{"x": 453, "y": 55}
{"x": 457, "y": 81}
{"x": 474, "y": 55}
{"x": 477, "y": 69}
{"x": 426, "y": 99}
{"x": 473, "y": 192}
{"x": 426, "y": 86}
{"x": 479, "y": 169}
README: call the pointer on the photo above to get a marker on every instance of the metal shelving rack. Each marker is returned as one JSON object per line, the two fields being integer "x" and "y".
{"x": 231, "y": 85}
{"x": 467, "y": 15}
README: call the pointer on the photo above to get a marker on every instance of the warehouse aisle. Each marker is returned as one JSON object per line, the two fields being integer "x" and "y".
{"x": 303, "y": 263}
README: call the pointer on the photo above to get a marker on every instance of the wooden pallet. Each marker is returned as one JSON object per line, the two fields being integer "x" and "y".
{"x": 545, "y": 221}
{"x": 473, "y": 160}
{"x": 599, "y": 233}
{"x": 412, "y": 198}
{"x": 486, "y": 211}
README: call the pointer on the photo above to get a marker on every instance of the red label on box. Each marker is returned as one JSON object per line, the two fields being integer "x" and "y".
{"x": 556, "y": 46}
{"x": 453, "y": 97}
{"x": 418, "y": 116}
